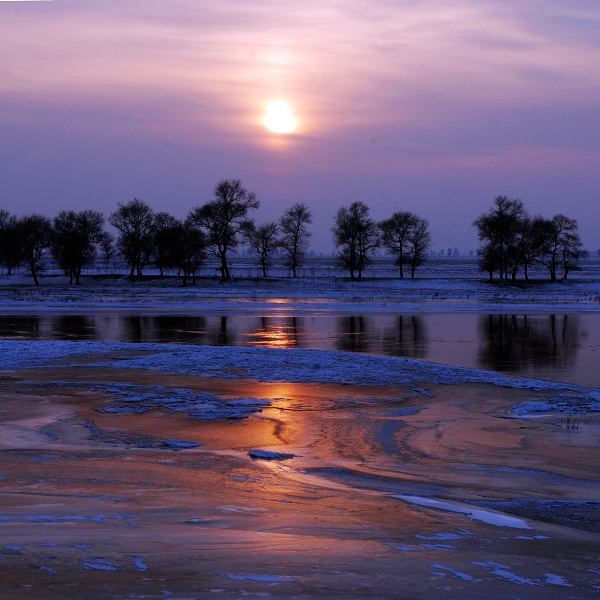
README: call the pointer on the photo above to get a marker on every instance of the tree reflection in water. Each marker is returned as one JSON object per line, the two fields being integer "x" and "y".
{"x": 73, "y": 327}
{"x": 29, "y": 327}
{"x": 523, "y": 342}
{"x": 537, "y": 345}
{"x": 408, "y": 338}
{"x": 352, "y": 334}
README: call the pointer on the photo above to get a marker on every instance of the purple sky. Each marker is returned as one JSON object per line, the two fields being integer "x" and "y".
{"x": 432, "y": 106}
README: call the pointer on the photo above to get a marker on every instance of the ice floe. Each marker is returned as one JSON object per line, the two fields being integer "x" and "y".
{"x": 504, "y": 572}
{"x": 478, "y": 514}
{"x": 101, "y": 564}
{"x": 451, "y": 571}
{"x": 269, "y": 455}
{"x": 258, "y": 577}
{"x": 556, "y": 580}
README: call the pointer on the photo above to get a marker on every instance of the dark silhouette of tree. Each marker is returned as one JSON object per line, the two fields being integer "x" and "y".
{"x": 163, "y": 227}
{"x": 571, "y": 252}
{"x": 563, "y": 247}
{"x": 224, "y": 217}
{"x": 73, "y": 240}
{"x": 295, "y": 235}
{"x": 497, "y": 230}
{"x": 533, "y": 233}
{"x": 394, "y": 236}
{"x": 419, "y": 240}
{"x": 264, "y": 240}
{"x": 357, "y": 236}
{"x": 406, "y": 236}
{"x": 33, "y": 239}
{"x": 185, "y": 248}
{"x": 514, "y": 240}
{"x": 9, "y": 255}
{"x": 135, "y": 223}
{"x": 106, "y": 247}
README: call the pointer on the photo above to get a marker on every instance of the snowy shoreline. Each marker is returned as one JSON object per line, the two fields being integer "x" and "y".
{"x": 303, "y": 295}
{"x": 292, "y": 366}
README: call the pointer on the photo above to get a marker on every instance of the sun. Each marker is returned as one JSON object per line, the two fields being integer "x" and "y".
{"x": 279, "y": 118}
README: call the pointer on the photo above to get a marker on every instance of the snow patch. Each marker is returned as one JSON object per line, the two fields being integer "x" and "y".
{"x": 505, "y": 572}
{"x": 101, "y": 564}
{"x": 487, "y": 516}
{"x": 255, "y": 577}
{"x": 454, "y": 572}
{"x": 556, "y": 580}
{"x": 139, "y": 563}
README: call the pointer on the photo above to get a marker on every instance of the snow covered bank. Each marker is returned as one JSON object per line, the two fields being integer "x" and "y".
{"x": 451, "y": 284}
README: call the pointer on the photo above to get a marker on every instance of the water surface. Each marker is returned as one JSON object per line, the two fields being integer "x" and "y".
{"x": 556, "y": 347}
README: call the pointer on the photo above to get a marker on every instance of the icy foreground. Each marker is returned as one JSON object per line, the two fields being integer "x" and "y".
{"x": 162, "y": 470}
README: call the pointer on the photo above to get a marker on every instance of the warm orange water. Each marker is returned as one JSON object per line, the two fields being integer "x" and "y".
{"x": 92, "y": 514}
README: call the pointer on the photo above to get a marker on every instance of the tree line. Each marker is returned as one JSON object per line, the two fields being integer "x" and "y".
{"x": 512, "y": 240}
{"x": 145, "y": 237}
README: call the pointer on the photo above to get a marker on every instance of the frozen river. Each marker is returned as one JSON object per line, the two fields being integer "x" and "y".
{"x": 243, "y": 442}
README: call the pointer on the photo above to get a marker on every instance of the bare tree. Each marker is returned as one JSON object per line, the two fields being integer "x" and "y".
{"x": 295, "y": 235}
{"x": 163, "y": 227}
{"x": 9, "y": 255}
{"x": 563, "y": 247}
{"x": 194, "y": 244}
{"x": 106, "y": 245}
{"x": 73, "y": 240}
{"x": 419, "y": 240}
{"x": 33, "y": 239}
{"x": 498, "y": 230}
{"x": 135, "y": 223}
{"x": 395, "y": 233}
{"x": 263, "y": 239}
{"x": 514, "y": 240}
{"x": 357, "y": 236}
{"x": 534, "y": 236}
{"x": 224, "y": 217}
{"x": 185, "y": 248}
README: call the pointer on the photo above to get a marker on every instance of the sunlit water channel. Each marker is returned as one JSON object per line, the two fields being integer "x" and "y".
{"x": 557, "y": 347}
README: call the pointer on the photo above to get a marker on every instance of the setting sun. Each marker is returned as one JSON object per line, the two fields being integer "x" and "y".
{"x": 279, "y": 118}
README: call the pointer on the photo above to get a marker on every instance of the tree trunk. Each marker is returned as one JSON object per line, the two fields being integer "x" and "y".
{"x": 225, "y": 276}
{"x": 263, "y": 264}
{"x": 34, "y": 275}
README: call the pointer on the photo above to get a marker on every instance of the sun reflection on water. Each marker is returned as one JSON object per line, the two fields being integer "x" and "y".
{"x": 275, "y": 332}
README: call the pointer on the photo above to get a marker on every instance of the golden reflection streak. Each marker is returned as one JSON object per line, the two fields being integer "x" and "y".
{"x": 275, "y": 332}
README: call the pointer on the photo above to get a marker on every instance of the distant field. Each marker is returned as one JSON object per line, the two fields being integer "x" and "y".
{"x": 462, "y": 268}
{"x": 324, "y": 269}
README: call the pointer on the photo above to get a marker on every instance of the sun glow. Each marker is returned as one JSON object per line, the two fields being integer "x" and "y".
{"x": 279, "y": 118}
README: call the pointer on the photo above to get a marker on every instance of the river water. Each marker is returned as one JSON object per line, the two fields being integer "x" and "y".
{"x": 556, "y": 347}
